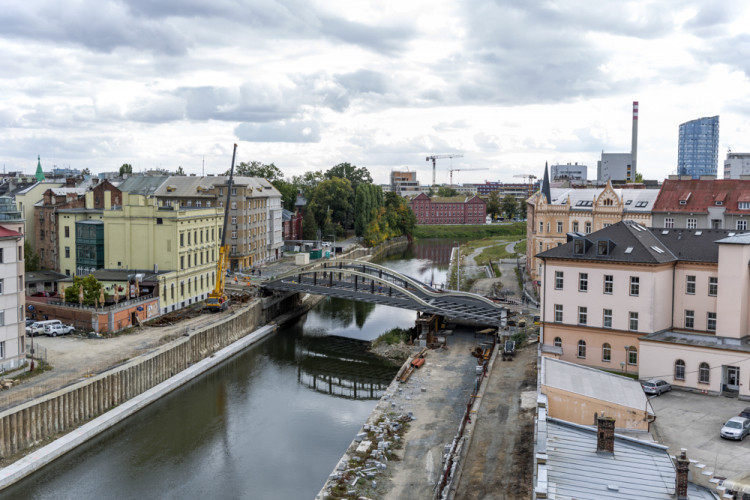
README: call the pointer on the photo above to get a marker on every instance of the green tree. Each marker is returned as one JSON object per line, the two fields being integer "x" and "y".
{"x": 367, "y": 199}
{"x": 257, "y": 169}
{"x": 126, "y": 168}
{"x": 309, "y": 226}
{"x": 509, "y": 206}
{"x": 30, "y": 258}
{"x": 337, "y": 195}
{"x": 493, "y": 204}
{"x": 91, "y": 290}
{"x": 446, "y": 192}
{"x": 355, "y": 175}
{"x": 522, "y": 208}
{"x": 179, "y": 171}
{"x": 85, "y": 172}
{"x": 638, "y": 177}
{"x": 288, "y": 193}
{"x": 307, "y": 183}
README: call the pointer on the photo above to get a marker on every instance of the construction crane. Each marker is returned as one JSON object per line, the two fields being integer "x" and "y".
{"x": 217, "y": 300}
{"x": 530, "y": 182}
{"x": 461, "y": 170}
{"x": 437, "y": 157}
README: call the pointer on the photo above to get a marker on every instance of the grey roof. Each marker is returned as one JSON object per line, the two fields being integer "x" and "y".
{"x": 687, "y": 245}
{"x": 632, "y": 243}
{"x": 143, "y": 185}
{"x": 594, "y": 383}
{"x": 631, "y": 198}
{"x": 183, "y": 186}
{"x": 122, "y": 274}
{"x": 255, "y": 182}
{"x": 637, "y": 469}
{"x": 80, "y": 210}
{"x": 40, "y": 276}
{"x": 700, "y": 340}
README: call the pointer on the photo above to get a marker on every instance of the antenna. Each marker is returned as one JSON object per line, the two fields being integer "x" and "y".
{"x": 204, "y": 165}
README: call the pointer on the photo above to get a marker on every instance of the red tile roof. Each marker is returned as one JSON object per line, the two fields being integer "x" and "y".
{"x": 7, "y": 233}
{"x": 698, "y": 195}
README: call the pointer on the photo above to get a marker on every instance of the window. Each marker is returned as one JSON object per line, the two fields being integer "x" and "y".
{"x": 234, "y": 191}
{"x": 558, "y": 342}
{"x": 689, "y": 318}
{"x": 583, "y": 282}
{"x": 67, "y": 252}
{"x": 2, "y": 319}
{"x": 669, "y": 222}
{"x": 679, "y": 370}
{"x": 692, "y": 223}
{"x": 583, "y": 314}
{"x": 606, "y": 352}
{"x": 558, "y": 280}
{"x": 588, "y": 227}
{"x": 744, "y": 205}
{"x": 182, "y": 262}
{"x": 690, "y": 285}
{"x": 633, "y": 326}
{"x": 711, "y": 322}
{"x": 635, "y": 286}
{"x": 559, "y": 227}
{"x": 198, "y": 203}
{"x": 602, "y": 247}
{"x": 190, "y": 260}
{"x": 234, "y": 205}
{"x": 575, "y": 227}
{"x": 713, "y": 286}
{"x": 2, "y": 349}
{"x": 541, "y": 227}
{"x": 742, "y": 225}
{"x": 67, "y": 231}
{"x": 182, "y": 239}
{"x": 549, "y": 228}
{"x": 632, "y": 355}
{"x": 558, "y": 313}
{"x": 234, "y": 235}
{"x": 581, "y": 348}
{"x": 704, "y": 373}
{"x": 607, "y": 320}
{"x": 579, "y": 246}
{"x": 234, "y": 219}
{"x": 609, "y": 281}
{"x": 190, "y": 204}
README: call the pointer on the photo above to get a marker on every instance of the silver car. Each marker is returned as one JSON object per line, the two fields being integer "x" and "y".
{"x": 736, "y": 428}
{"x": 655, "y": 386}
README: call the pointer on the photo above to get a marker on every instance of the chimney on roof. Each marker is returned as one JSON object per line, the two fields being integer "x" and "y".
{"x": 681, "y": 480}
{"x": 70, "y": 182}
{"x": 605, "y": 435}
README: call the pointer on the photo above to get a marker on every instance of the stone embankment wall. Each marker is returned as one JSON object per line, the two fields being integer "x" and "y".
{"x": 32, "y": 423}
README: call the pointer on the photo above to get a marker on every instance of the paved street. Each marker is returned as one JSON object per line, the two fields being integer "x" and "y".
{"x": 692, "y": 421}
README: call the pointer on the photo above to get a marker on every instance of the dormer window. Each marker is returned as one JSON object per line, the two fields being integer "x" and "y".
{"x": 641, "y": 204}
{"x": 604, "y": 247}
{"x": 744, "y": 205}
{"x": 579, "y": 246}
{"x": 629, "y": 202}
{"x": 719, "y": 203}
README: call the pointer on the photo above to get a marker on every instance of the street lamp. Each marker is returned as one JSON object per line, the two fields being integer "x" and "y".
{"x": 458, "y": 266}
{"x": 627, "y": 352}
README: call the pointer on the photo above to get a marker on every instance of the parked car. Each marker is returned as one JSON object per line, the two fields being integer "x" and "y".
{"x": 29, "y": 322}
{"x": 45, "y": 293}
{"x": 655, "y": 386}
{"x": 58, "y": 329}
{"x": 745, "y": 413}
{"x": 736, "y": 428}
{"x": 37, "y": 327}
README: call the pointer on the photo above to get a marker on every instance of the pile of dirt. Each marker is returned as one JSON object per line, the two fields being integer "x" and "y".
{"x": 397, "y": 352}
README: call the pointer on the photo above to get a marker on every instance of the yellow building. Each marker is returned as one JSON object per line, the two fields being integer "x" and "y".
{"x": 572, "y": 210}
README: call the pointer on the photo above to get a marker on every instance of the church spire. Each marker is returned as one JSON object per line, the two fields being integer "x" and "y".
{"x": 39, "y": 173}
{"x": 545, "y": 184}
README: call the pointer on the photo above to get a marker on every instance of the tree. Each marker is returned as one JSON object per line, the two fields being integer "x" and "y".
{"x": 288, "y": 193}
{"x": 493, "y": 204}
{"x": 179, "y": 171}
{"x": 367, "y": 199}
{"x": 337, "y": 195}
{"x": 446, "y": 192}
{"x": 85, "y": 172}
{"x": 307, "y": 183}
{"x": 31, "y": 258}
{"x": 509, "y": 206}
{"x": 91, "y": 290}
{"x": 309, "y": 227}
{"x": 638, "y": 177}
{"x": 269, "y": 172}
{"x": 126, "y": 168}
{"x": 522, "y": 208}
{"x": 355, "y": 175}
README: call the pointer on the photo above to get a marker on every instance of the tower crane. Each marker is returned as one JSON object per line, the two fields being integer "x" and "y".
{"x": 437, "y": 157}
{"x": 461, "y": 170}
{"x": 530, "y": 182}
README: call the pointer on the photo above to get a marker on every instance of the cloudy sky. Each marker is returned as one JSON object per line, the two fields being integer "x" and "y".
{"x": 307, "y": 84}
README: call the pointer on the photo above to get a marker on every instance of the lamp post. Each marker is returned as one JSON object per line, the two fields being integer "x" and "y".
{"x": 458, "y": 266}
{"x": 627, "y": 352}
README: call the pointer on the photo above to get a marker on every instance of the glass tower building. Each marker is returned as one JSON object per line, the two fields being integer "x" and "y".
{"x": 698, "y": 147}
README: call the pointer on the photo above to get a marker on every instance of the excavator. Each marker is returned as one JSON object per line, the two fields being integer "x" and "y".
{"x": 217, "y": 299}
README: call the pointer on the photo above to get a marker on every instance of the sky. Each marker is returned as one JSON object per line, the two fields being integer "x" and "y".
{"x": 308, "y": 84}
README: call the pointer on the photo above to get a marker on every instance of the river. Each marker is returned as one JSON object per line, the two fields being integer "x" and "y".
{"x": 271, "y": 423}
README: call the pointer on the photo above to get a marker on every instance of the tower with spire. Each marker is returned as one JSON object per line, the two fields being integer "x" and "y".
{"x": 545, "y": 184}
{"x": 39, "y": 173}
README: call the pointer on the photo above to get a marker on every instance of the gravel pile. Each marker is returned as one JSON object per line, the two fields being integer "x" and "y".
{"x": 397, "y": 352}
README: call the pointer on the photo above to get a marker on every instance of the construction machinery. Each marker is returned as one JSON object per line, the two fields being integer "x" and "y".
{"x": 461, "y": 170}
{"x": 530, "y": 182}
{"x": 217, "y": 299}
{"x": 437, "y": 157}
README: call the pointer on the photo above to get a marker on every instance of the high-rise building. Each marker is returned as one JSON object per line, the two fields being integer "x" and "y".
{"x": 698, "y": 147}
{"x": 736, "y": 165}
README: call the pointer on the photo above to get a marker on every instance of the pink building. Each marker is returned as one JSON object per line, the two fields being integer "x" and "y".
{"x": 454, "y": 210}
{"x": 632, "y": 299}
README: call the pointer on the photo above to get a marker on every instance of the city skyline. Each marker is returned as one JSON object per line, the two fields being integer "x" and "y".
{"x": 307, "y": 86}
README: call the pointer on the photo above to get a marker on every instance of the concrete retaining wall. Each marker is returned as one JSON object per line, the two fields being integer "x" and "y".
{"x": 30, "y": 424}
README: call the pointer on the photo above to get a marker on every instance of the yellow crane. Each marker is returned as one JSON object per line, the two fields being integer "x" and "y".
{"x": 217, "y": 300}
{"x": 530, "y": 182}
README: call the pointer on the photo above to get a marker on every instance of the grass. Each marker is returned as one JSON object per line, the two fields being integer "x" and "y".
{"x": 469, "y": 231}
{"x": 393, "y": 336}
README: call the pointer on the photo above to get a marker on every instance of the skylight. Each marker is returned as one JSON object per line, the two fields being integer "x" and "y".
{"x": 698, "y": 233}
{"x": 656, "y": 249}
{"x": 666, "y": 231}
{"x": 629, "y": 250}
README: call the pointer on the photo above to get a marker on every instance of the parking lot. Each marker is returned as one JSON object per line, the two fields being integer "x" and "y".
{"x": 692, "y": 421}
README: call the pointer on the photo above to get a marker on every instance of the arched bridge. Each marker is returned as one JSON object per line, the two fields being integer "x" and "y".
{"x": 367, "y": 282}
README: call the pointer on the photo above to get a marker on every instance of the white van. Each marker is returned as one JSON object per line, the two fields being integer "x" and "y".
{"x": 37, "y": 328}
